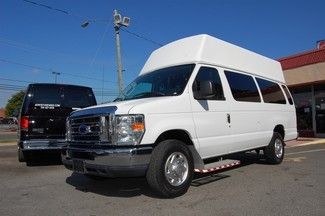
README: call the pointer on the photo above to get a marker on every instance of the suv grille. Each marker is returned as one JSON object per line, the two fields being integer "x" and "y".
{"x": 87, "y": 129}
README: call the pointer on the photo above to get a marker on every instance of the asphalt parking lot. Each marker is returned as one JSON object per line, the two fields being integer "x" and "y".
{"x": 296, "y": 187}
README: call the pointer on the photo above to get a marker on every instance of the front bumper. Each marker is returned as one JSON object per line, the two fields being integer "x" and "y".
{"x": 30, "y": 145}
{"x": 108, "y": 161}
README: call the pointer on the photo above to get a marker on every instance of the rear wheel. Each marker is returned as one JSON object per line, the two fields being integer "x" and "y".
{"x": 21, "y": 156}
{"x": 94, "y": 177}
{"x": 274, "y": 152}
{"x": 170, "y": 171}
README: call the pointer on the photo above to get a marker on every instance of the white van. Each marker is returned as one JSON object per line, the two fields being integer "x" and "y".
{"x": 195, "y": 101}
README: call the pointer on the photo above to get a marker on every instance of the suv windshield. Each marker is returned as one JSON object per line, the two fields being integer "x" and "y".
{"x": 169, "y": 81}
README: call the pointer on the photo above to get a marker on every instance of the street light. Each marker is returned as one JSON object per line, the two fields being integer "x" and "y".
{"x": 85, "y": 24}
{"x": 119, "y": 22}
{"x": 56, "y": 74}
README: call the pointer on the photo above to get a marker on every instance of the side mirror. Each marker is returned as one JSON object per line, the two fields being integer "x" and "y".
{"x": 205, "y": 90}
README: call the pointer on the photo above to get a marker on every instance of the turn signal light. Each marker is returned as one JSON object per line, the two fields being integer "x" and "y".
{"x": 138, "y": 126}
{"x": 24, "y": 122}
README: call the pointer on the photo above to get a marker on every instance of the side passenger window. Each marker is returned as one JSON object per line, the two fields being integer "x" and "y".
{"x": 243, "y": 87}
{"x": 285, "y": 89}
{"x": 271, "y": 91}
{"x": 211, "y": 74}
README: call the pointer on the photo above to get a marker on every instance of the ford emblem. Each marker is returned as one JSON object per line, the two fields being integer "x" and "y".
{"x": 83, "y": 129}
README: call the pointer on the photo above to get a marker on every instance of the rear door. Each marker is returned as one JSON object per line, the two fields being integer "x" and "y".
{"x": 43, "y": 108}
{"x": 48, "y": 105}
{"x": 247, "y": 113}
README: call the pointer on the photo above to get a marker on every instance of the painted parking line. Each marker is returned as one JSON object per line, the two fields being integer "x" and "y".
{"x": 303, "y": 152}
{"x": 8, "y": 144}
{"x": 317, "y": 142}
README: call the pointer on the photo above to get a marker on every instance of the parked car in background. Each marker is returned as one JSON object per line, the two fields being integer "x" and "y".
{"x": 9, "y": 120}
{"x": 43, "y": 116}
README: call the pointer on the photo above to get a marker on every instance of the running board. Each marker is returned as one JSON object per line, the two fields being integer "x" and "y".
{"x": 224, "y": 164}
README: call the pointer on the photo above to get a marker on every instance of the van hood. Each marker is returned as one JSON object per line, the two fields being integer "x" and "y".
{"x": 142, "y": 106}
{"x": 124, "y": 107}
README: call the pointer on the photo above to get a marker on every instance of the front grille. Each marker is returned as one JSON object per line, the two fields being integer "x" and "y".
{"x": 88, "y": 129}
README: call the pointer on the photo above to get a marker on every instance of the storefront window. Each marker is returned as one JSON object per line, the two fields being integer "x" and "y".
{"x": 320, "y": 108}
{"x": 303, "y": 101}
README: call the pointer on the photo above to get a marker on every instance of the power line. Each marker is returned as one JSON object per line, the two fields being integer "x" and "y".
{"x": 53, "y": 8}
{"x": 10, "y": 87}
{"x": 34, "y": 49}
{"x": 14, "y": 80}
{"x": 100, "y": 44}
{"x": 49, "y": 70}
{"x": 72, "y": 14}
{"x": 142, "y": 37}
{"x": 30, "y": 82}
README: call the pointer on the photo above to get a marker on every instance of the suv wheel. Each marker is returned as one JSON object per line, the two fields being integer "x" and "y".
{"x": 170, "y": 171}
{"x": 21, "y": 155}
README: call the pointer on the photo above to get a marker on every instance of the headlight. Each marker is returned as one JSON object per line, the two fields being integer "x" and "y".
{"x": 67, "y": 130}
{"x": 129, "y": 129}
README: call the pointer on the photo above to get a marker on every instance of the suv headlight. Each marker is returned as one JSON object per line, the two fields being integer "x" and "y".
{"x": 67, "y": 130}
{"x": 129, "y": 129}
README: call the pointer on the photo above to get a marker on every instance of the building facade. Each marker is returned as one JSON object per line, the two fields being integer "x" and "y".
{"x": 2, "y": 113}
{"x": 305, "y": 77}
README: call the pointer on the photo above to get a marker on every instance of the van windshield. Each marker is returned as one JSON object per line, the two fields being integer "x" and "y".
{"x": 169, "y": 81}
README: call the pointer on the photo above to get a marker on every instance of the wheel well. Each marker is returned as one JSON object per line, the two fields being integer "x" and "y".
{"x": 280, "y": 130}
{"x": 175, "y": 134}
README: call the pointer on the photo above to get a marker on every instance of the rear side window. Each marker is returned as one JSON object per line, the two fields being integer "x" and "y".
{"x": 47, "y": 95}
{"x": 286, "y": 91}
{"x": 78, "y": 97}
{"x": 243, "y": 87}
{"x": 271, "y": 91}
{"x": 211, "y": 74}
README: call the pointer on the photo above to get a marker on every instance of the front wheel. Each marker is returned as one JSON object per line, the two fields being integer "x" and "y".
{"x": 170, "y": 171}
{"x": 274, "y": 152}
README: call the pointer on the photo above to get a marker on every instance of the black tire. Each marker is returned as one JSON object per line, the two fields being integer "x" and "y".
{"x": 95, "y": 178}
{"x": 21, "y": 156}
{"x": 156, "y": 171}
{"x": 272, "y": 151}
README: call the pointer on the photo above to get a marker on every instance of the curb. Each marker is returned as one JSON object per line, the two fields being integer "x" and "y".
{"x": 317, "y": 142}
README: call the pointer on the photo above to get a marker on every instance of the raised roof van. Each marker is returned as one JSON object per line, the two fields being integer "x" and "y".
{"x": 195, "y": 101}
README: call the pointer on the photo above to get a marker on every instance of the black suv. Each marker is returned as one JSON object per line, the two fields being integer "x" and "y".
{"x": 43, "y": 116}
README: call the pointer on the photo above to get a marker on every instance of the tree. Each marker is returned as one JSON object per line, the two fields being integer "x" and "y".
{"x": 14, "y": 104}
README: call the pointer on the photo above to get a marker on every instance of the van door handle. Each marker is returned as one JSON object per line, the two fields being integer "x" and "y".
{"x": 228, "y": 118}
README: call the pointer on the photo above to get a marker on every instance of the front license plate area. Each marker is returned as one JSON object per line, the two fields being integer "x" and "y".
{"x": 79, "y": 166}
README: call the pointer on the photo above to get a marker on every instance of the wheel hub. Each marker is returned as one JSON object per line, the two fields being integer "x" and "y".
{"x": 176, "y": 169}
{"x": 278, "y": 147}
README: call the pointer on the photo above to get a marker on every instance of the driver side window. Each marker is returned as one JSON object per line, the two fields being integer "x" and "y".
{"x": 208, "y": 74}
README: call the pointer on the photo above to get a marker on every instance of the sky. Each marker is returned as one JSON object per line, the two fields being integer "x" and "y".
{"x": 36, "y": 41}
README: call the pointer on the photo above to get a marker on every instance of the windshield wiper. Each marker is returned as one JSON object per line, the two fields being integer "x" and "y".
{"x": 147, "y": 94}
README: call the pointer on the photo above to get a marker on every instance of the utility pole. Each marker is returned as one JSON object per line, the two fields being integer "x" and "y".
{"x": 118, "y": 23}
{"x": 103, "y": 85}
{"x": 56, "y": 74}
